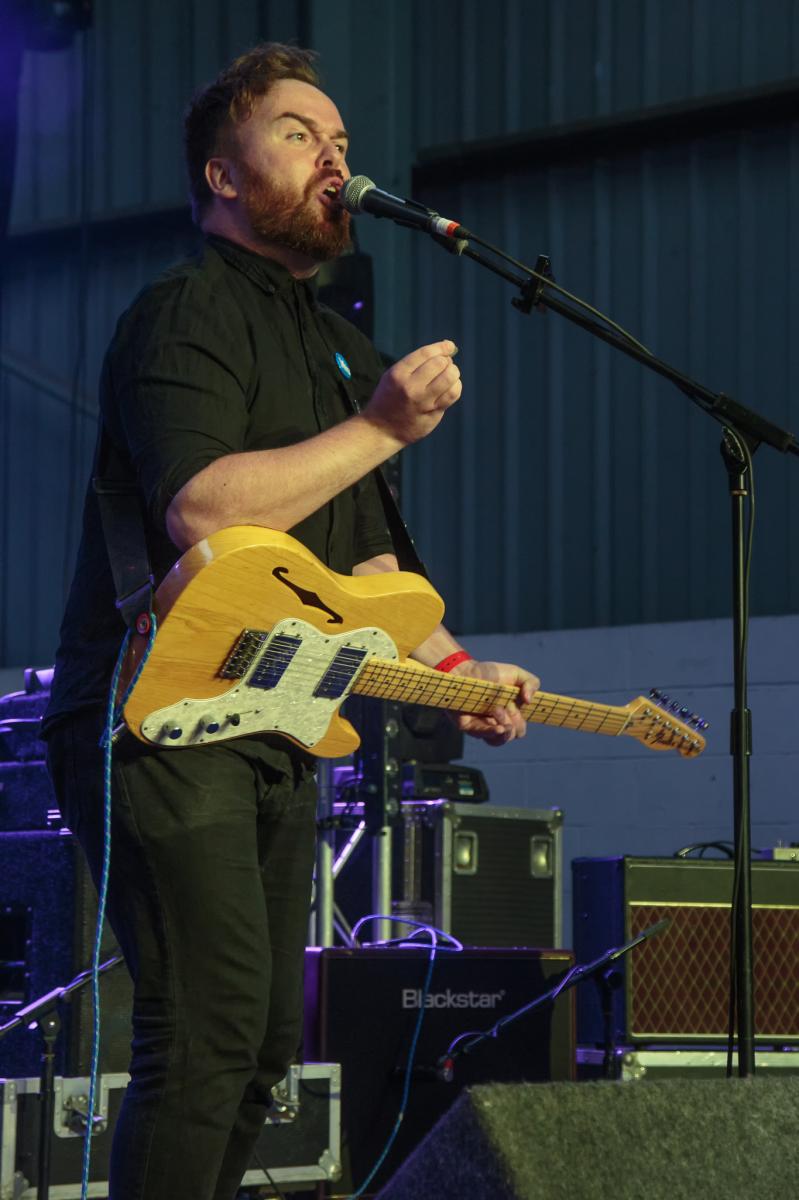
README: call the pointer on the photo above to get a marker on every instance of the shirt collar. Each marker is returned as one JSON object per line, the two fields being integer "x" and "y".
{"x": 269, "y": 275}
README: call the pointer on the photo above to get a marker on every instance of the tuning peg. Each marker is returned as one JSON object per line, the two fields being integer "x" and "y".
{"x": 684, "y": 712}
{"x": 655, "y": 694}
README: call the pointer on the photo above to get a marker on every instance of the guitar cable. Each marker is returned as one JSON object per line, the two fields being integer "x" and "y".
{"x": 112, "y": 720}
{"x": 454, "y": 946}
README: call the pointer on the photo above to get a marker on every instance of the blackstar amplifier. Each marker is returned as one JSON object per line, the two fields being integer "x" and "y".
{"x": 362, "y": 1007}
{"x": 676, "y": 985}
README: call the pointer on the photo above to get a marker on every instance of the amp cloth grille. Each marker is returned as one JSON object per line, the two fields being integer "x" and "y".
{"x": 681, "y": 980}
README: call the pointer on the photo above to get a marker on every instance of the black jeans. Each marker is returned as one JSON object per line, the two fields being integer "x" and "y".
{"x": 211, "y": 858}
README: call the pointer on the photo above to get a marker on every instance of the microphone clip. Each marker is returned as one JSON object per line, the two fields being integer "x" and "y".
{"x": 531, "y": 290}
{"x": 451, "y": 245}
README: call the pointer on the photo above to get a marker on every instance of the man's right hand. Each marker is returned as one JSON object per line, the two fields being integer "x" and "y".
{"x": 413, "y": 395}
{"x": 282, "y": 486}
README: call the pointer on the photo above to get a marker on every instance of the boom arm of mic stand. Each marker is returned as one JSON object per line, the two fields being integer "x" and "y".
{"x": 534, "y": 286}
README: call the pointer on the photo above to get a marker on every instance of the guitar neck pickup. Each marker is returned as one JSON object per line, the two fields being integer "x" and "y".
{"x": 340, "y": 674}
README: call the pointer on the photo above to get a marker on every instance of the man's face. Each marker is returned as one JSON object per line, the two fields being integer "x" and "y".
{"x": 289, "y": 154}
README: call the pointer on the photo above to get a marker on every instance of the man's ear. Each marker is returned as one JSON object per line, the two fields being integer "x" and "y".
{"x": 218, "y": 176}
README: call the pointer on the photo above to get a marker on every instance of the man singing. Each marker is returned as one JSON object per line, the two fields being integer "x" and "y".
{"x": 224, "y": 401}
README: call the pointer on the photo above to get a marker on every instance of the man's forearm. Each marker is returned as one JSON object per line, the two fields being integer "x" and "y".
{"x": 278, "y": 488}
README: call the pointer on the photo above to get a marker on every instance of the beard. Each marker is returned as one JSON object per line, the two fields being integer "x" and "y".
{"x": 306, "y": 227}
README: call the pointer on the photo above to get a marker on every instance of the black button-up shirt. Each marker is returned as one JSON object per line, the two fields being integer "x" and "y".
{"x": 223, "y": 354}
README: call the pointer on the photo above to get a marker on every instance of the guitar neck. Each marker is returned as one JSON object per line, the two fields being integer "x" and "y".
{"x": 418, "y": 685}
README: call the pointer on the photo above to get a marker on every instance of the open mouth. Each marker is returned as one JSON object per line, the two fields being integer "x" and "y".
{"x": 330, "y": 194}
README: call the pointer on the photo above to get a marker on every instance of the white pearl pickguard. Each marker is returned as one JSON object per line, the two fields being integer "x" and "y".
{"x": 282, "y": 691}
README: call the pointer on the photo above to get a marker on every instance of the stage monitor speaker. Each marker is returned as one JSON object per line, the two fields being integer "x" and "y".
{"x": 361, "y": 1010}
{"x": 47, "y": 918}
{"x": 676, "y": 985}
{"x": 692, "y": 1139}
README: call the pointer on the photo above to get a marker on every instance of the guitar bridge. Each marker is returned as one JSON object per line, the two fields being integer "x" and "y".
{"x": 243, "y": 654}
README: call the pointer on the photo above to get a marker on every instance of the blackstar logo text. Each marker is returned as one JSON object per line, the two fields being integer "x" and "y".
{"x": 412, "y": 998}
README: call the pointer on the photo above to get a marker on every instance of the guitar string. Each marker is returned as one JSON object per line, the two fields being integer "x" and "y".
{"x": 389, "y": 680}
{"x": 482, "y": 690}
{"x": 484, "y": 693}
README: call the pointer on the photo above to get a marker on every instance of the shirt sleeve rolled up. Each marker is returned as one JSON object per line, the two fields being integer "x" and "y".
{"x": 179, "y": 372}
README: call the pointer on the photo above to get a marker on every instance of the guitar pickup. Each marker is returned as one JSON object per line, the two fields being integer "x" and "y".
{"x": 275, "y": 661}
{"x": 340, "y": 674}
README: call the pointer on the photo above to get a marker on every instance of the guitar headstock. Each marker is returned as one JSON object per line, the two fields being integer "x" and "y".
{"x": 664, "y": 724}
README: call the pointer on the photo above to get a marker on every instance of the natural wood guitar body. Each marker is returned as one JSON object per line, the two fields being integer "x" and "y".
{"x": 256, "y": 635}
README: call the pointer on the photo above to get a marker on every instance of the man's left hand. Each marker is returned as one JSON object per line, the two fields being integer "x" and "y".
{"x": 501, "y": 725}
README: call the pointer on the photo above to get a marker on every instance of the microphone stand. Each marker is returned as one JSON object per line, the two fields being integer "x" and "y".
{"x": 743, "y": 431}
{"x": 42, "y": 1014}
{"x": 601, "y": 969}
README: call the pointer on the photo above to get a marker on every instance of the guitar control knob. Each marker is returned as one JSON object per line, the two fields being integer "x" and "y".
{"x": 174, "y": 732}
{"x": 212, "y": 727}
{"x": 234, "y": 718}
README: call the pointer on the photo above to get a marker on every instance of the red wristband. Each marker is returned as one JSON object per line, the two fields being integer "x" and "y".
{"x": 452, "y": 660}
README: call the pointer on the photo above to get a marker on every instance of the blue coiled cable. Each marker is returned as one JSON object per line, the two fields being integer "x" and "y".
{"x": 113, "y": 717}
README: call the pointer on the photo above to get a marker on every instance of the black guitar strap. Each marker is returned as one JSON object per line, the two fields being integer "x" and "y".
{"x": 404, "y": 546}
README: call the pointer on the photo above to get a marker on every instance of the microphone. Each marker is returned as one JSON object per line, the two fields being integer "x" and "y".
{"x": 360, "y": 195}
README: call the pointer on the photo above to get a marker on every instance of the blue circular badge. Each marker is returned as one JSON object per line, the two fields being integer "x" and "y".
{"x": 343, "y": 366}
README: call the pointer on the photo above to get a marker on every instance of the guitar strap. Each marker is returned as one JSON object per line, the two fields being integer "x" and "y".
{"x": 407, "y": 555}
{"x": 120, "y": 505}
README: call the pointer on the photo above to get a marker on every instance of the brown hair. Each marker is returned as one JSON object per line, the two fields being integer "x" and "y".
{"x": 229, "y": 101}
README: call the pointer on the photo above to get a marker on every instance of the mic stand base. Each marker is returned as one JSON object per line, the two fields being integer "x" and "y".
{"x": 608, "y": 982}
{"x": 49, "y": 1025}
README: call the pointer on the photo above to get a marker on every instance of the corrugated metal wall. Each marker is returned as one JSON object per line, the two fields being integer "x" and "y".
{"x": 570, "y": 487}
{"x": 567, "y": 489}
{"x": 585, "y": 489}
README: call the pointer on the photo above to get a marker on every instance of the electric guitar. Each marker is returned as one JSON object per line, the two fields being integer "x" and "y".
{"x": 255, "y": 635}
